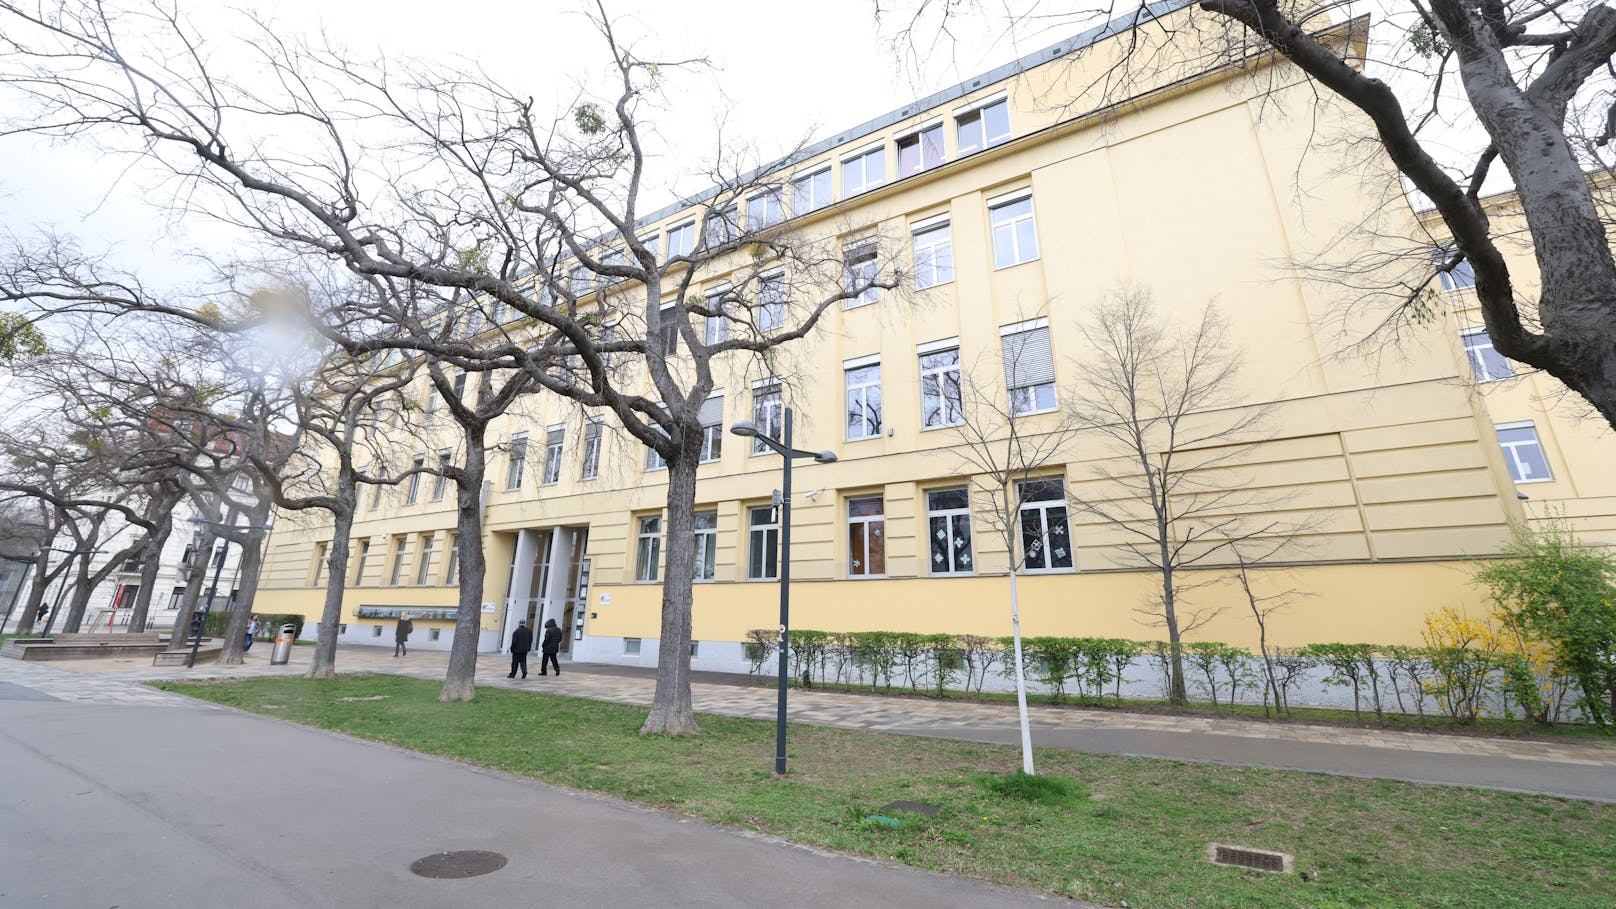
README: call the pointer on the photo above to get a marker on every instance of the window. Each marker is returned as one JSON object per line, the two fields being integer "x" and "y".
{"x": 694, "y": 647}
{"x": 717, "y": 327}
{"x": 401, "y": 546}
{"x": 712, "y": 427}
{"x": 706, "y": 544}
{"x": 948, "y": 517}
{"x": 864, "y": 171}
{"x": 670, "y": 329}
{"x": 649, "y": 549}
{"x": 811, "y": 192}
{"x": 984, "y": 127}
{"x": 432, "y": 634}
{"x": 440, "y": 483}
{"x": 1457, "y": 278}
{"x": 451, "y": 569}
{"x": 580, "y": 281}
{"x": 1029, "y": 366}
{"x": 764, "y": 209}
{"x": 423, "y": 568}
{"x": 863, "y": 379}
{"x": 591, "y": 465}
{"x": 1014, "y": 238}
{"x": 941, "y": 403}
{"x": 920, "y": 151}
{"x": 1486, "y": 364}
{"x": 413, "y": 490}
{"x": 631, "y": 646}
{"x": 322, "y": 552}
{"x": 654, "y": 460}
{"x": 866, "y": 537}
{"x": 1523, "y": 452}
{"x": 720, "y": 226}
{"x": 767, "y": 414}
{"x": 552, "y": 455}
{"x": 934, "y": 252}
{"x": 1045, "y": 542}
{"x": 375, "y": 631}
{"x": 681, "y": 239}
{"x": 359, "y": 562}
{"x": 763, "y": 560}
{"x": 861, "y": 270}
{"x": 517, "y": 461}
{"x": 460, "y": 387}
{"x": 379, "y": 490}
{"x": 771, "y": 311}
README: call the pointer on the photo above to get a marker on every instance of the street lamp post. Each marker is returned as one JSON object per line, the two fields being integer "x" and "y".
{"x": 213, "y": 588}
{"x": 787, "y": 454}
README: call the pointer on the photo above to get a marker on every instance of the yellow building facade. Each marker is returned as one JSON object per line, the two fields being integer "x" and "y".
{"x": 1045, "y": 197}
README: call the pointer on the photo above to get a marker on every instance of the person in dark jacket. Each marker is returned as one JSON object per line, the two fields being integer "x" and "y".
{"x": 552, "y": 644}
{"x": 521, "y": 645}
{"x": 401, "y": 636}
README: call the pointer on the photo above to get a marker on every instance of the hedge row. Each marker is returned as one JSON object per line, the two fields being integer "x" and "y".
{"x": 269, "y": 624}
{"x": 1458, "y": 682}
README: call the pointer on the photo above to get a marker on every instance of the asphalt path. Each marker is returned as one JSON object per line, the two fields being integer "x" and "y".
{"x": 184, "y": 804}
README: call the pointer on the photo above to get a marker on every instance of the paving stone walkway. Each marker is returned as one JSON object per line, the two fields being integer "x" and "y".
{"x": 1577, "y": 769}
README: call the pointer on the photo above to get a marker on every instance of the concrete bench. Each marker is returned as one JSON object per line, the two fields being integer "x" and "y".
{"x": 54, "y": 648}
{"x": 207, "y": 653}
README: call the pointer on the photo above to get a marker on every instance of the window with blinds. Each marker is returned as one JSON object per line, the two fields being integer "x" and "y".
{"x": 1029, "y": 366}
{"x": 712, "y": 427}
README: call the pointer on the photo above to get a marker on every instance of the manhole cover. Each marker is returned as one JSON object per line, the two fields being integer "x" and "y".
{"x": 925, "y": 809}
{"x": 458, "y": 864}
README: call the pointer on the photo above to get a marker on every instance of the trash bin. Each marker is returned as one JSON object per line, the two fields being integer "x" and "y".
{"x": 282, "y": 654}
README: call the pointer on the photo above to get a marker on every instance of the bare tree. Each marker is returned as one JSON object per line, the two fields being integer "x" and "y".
{"x": 1536, "y": 80}
{"x": 480, "y": 200}
{"x": 1008, "y": 444}
{"x": 1167, "y": 403}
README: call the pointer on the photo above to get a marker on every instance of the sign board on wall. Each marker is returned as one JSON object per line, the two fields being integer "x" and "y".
{"x": 605, "y": 599}
{"x": 488, "y": 608}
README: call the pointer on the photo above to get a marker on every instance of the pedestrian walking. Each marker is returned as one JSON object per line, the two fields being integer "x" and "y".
{"x": 252, "y": 632}
{"x": 552, "y": 644}
{"x": 401, "y": 635}
{"x": 521, "y": 646}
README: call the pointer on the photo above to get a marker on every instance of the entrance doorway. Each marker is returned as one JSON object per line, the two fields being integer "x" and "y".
{"x": 546, "y": 569}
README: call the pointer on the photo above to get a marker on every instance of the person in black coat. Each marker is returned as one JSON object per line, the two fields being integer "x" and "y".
{"x": 552, "y": 644}
{"x": 521, "y": 644}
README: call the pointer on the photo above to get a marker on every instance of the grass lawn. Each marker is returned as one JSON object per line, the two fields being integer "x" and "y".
{"x": 1131, "y": 829}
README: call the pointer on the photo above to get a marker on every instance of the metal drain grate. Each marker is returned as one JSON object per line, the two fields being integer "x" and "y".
{"x": 451, "y": 865}
{"x": 1255, "y": 859}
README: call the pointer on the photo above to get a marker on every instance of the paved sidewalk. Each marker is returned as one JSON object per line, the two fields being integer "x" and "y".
{"x": 144, "y": 805}
{"x": 1575, "y": 769}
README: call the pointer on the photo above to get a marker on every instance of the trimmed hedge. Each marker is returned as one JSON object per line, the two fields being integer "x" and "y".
{"x": 268, "y": 624}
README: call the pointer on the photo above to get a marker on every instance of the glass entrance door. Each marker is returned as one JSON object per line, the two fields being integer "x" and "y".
{"x": 539, "y": 583}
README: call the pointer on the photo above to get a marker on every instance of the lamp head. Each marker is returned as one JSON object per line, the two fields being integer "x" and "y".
{"x": 744, "y": 428}
{"x": 825, "y": 457}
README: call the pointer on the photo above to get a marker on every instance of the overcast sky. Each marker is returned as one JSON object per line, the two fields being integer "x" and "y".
{"x": 777, "y": 77}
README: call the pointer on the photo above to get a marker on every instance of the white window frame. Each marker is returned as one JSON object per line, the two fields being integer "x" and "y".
{"x": 771, "y": 311}
{"x": 413, "y": 491}
{"x": 423, "y": 568}
{"x": 865, "y": 524}
{"x": 1513, "y": 460}
{"x": 861, "y": 162}
{"x": 678, "y": 232}
{"x": 1460, "y": 277}
{"x": 359, "y": 563}
{"x": 516, "y": 462}
{"x": 1043, "y": 507}
{"x": 706, "y": 547}
{"x": 767, "y": 415}
{"x": 648, "y": 549}
{"x": 554, "y": 443}
{"x": 590, "y": 468}
{"x": 763, "y": 541}
{"x": 771, "y": 214}
{"x": 952, "y": 518}
{"x": 712, "y": 434}
{"x": 935, "y": 248}
{"x": 631, "y": 646}
{"x": 940, "y": 372}
{"x": 716, "y": 329}
{"x": 977, "y": 111}
{"x": 1476, "y": 355}
{"x": 861, "y": 261}
{"x": 669, "y": 330}
{"x": 808, "y": 179}
{"x": 440, "y": 483}
{"x": 720, "y": 225}
{"x": 401, "y": 549}
{"x": 1021, "y": 328}
{"x": 858, "y": 396}
{"x": 918, "y": 135}
{"x": 1019, "y": 256}
{"x": 451, "y": 555}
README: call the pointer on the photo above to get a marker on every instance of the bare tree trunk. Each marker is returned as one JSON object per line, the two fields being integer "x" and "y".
{"x": 36, "y": 594}
{"x": 460, "y": 681}
{"x": 79, "y": 600}
{"x": 235, "y": 633}
{"x": 151, "y": 561}
{"x": 201, "y": 563}
{"x": 671, "y": 711}
{"x": 325, "y": 646}
{"x": 1177, "y": 694}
